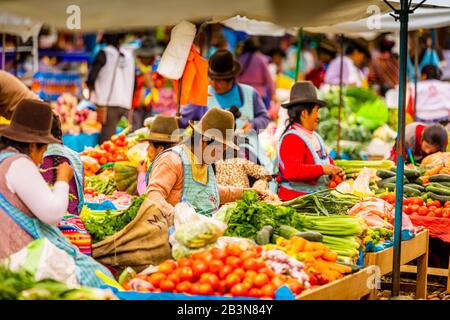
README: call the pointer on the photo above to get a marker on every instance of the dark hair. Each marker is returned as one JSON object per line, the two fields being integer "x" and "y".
{"x": 165, "y": 145}
{"x": 436, "y": 135}
{"x": 250, "y": 45}
{"x": 22, "y": 147}
{"x": 431, "y": 72}
{"x": 295, "y": 112}
{"x": 113, "y": 39}
{"x": 277, "y": 51}
{"x": 56, "y": 127}
{"x": 352, "y": 47}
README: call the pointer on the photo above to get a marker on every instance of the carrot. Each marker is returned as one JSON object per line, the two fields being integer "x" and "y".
{"x": 330, "y": 256}
{"x": 338, "y": 267}
{"x": 299, "y": 243}
{"x": 309, "y": 246}
{"x": 317, "y": 253}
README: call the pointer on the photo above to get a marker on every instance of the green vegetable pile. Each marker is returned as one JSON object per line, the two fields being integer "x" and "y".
{"x": 362, "y": 112}
{"x": 21, "y": 285}
{"x": 103, "y": 183}
{"x": 102, "y": 224}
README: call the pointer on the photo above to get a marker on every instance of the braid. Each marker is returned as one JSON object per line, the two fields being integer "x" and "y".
{"x": 289, "y": 123}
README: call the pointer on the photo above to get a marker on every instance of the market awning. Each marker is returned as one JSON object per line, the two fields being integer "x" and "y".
{"x": 115, "y": 14}
{"x": 19, "y": 26}
{"x": 422, "y": 18}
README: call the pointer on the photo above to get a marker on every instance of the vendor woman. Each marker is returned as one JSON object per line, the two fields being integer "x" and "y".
{"x": 185, "y": 173}
{"x": 423, "y": 140}
{"x": 29, "y": 208}
{"x": 304, "y": 165}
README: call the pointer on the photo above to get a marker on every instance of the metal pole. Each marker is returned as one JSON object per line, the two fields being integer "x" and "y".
{"x": 35, "y": 54}
{"x": 4, "y": 51}
{"x": 416, "y": 70}
{"x": 403, "y": 13}
{"x": 341, "y": 98}
{"x": 179, "y": 96}
{"x": 299, "y": 50}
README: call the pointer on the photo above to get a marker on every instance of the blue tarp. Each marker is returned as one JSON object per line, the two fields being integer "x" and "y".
{"x": 80, "y": 141}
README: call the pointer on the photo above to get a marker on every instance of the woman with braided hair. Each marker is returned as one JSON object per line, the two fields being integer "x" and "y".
{"x": 303, "y": 163}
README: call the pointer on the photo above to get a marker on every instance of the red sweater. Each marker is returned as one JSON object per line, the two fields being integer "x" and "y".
{"x": 299, "y": 165}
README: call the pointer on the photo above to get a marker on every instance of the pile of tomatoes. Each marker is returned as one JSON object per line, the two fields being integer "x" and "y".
{"x": 335, "y": 181}
{"x": 430, "y": 208}
{"x": 222, "y": 272}
{"x": 109, "y": 151}
{"x": 418, "y": 206}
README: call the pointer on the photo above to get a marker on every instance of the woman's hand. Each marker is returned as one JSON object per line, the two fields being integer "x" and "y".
{"x": 331, "y": 170}
{"x": 267, "y": 195}
{"x": 65, "y": 172}
{"x": 142, "y": 168}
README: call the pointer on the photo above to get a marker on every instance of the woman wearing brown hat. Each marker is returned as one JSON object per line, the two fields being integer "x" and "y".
{"x": 185, "y": 173}
{"x": 304, "y": 165}
{"x": 29, "y": 208}
{"x": 162, "y": 135}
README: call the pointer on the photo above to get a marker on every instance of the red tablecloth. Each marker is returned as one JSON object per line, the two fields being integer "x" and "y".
{"x": 438, "y": 227}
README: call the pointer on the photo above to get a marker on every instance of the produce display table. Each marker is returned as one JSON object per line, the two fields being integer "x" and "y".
{"x": 351, "y": 287}
{"x": 416, "y": 248}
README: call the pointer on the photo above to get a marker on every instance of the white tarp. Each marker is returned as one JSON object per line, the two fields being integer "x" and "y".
{"x": 422, "y": 18}
{"x": 256, "y": 27}
{"x": 93, "y": 15}
{"x": 19, "y": 26}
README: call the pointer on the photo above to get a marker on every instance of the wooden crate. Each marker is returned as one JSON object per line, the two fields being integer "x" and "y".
{"x": 351, "y": 287}
{"x": 416, "y": 248}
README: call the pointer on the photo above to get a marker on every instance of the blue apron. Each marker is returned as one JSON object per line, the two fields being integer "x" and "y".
{"x": 75, "y": 162}
{"x": 247, "y": 114}
{"x": 204, "y": 198}
{"x": 322, "y": 159}
{"x": 85, "y": 265}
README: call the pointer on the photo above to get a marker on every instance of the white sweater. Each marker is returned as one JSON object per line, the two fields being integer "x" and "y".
{"x": 24, "y": 179}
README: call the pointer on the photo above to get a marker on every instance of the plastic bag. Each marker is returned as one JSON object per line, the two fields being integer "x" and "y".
{"x": 199, "y": 234}
{"x": 138, "y": 153}
{"x": 185, "y": 214}
{"x": 361, "y": 186}
{"x": 45, "y": 261}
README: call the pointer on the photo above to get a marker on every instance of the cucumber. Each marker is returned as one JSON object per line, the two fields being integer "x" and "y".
{"x": 391, "y": 180}
{"x": 440, "y": 178}
{"x": 311, "y": 236}
{"x": 438, "y": 197}
{"x": 415, "y": 186}
{"x": 384, "y": 174}
{"x": 264, "y": 235}
{"x": 418, "y": 181}
{"x": 445, "y": 184}
{"x": 440, "y": 190}
{"x": 408, "y": 191}
{"x": 409, "y": 173}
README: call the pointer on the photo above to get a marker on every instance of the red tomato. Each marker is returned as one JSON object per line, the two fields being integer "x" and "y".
{"x": 114, "y": 138}
{"x": 175, "y": 278}
{"x": 432, "y": 208}
{"x": 406, "y": 209}
{"x": 184, "y": 287}
{"x": 423, "y": 211}
{"x": 166, "y": 268}
{"x": 225, "y": 271}
{"x": 247, "y": 255}
{"x": 234, "y": 250}
{"x": 418, "y": 201}
{"x": 431, "y": 214}
{"x": 199, "y": 267}
{"x": 260, "y": 280}
{"x": 239, "y": 290}
{"x": 223, "y": 287}
{"x": 184, "y": 262}
{"x": 186, "y": 274}
{"x": 437, "y": 203}
{"x": 261, "y": 263}
{"x": 267, "y": 271}
{"x": 195, "y": 288}
{"x": 406, "y": 201}
{"x": 102, "y": 160}
{"x": 391, "y": 198}
{"x": 438, "y": 212}
{"x": 156, "y": 278}
{"x": 268, "y": 291}
{"x": 278, "y": 281}
{"x": 332, "y": 184}
{"x": 219, "y": 254}
{"x": 446, "y": 213}
{"x": 205, "y": 289}
{"x": 232, "y": 261}
{"x": 240, "y": 272}
{"x": 232, "y": 279}
{"x": 215, "y": 266}
{"x": 254, "y": 293}
{"x": 167, "y": 285}
{"x": 251, "y": 264}
{"x": 248, "y": 283}
{"x": 447, "y": 204}
{"x": 415, "y": 208}
{"x": 211, "y": 279}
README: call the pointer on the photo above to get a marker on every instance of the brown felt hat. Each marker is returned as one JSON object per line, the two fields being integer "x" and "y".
{"x": 222, "y": 65}
{"x": 215, "y": 124}
{"x": 31, "y": 122}
{"x": 163, "y": 129}
{"x": 303, "y": 92}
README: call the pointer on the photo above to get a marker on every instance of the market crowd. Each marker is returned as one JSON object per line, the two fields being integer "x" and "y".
{"x": 222, "y": 156}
